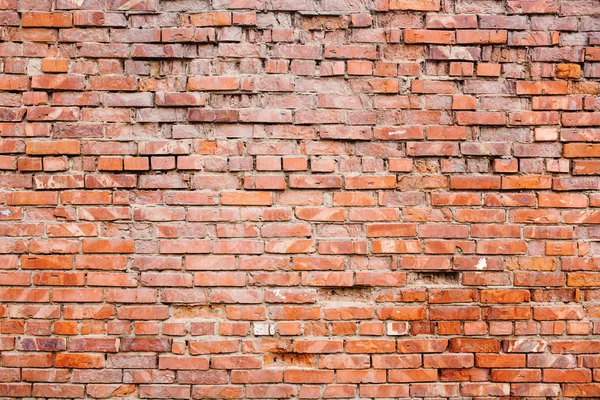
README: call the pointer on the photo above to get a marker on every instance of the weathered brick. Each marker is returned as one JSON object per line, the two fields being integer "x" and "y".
{"x": 295, "y": 185}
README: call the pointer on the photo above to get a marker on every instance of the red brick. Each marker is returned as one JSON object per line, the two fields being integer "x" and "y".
{"x": 217, "y": 83}
{"x": 65, "y": 360}
{"x": 64, "y": 147}
{"x": 55, "y": 20}
{"x": 543, "y": 87}
{"x": 57, "y": 82}
{"x": 428, "y": 36}
{"x": 418, "y": 5}
{"x": 481, "y": 36}
{"x": 516, "y": 375}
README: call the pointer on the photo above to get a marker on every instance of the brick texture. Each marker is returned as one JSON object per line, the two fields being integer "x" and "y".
{"x": 250, "y": 199}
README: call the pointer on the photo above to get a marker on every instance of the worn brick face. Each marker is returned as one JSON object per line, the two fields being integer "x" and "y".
{"x": 249, "y": 199}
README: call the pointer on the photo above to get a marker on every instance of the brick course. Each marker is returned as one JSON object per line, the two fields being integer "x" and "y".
{"x": 249, "y": 199}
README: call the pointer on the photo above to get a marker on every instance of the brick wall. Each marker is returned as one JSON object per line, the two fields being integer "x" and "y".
{"x": 299, "y": 199}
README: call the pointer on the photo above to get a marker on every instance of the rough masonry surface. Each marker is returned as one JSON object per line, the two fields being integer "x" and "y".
{"x": 308, "y": 199}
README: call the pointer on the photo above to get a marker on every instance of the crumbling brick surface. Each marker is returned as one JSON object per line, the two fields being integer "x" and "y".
{"x": 272, "y": 199}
